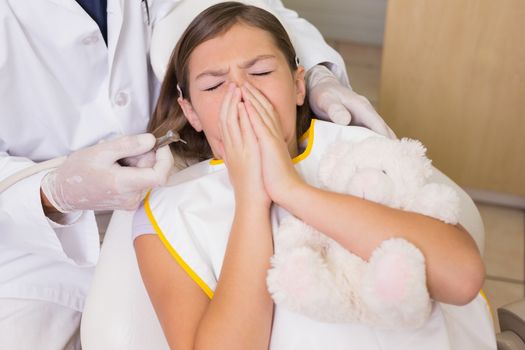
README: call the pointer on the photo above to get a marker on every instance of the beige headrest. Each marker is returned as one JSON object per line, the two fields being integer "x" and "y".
{"x": 169, "y": 29}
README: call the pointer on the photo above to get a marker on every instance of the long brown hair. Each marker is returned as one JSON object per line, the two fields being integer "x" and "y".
{"x": 209, "y": 24}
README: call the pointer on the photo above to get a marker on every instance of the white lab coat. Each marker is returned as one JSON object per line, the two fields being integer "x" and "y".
{"x": 62, "y": 89}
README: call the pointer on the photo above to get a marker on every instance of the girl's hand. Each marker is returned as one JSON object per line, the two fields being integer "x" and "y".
{"x": 241, "y": 151}
{"x": 278, "y": 171}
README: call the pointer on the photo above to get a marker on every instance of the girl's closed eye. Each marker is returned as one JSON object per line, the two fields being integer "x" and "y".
{"x": 259, "y": 74}
{"x": 262, "y": 67}
{"x": 210, "y": 80}
{"x": 214, "y": 86}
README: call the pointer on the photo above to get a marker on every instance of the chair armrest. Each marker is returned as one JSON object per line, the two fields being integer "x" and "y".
{"x": 512, "y": 318}
{"x": 509, "y": 341}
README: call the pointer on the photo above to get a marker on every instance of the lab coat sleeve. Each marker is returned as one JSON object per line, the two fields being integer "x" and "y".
{"x": 24, "y": 227}
{"x": 310, "y": 45}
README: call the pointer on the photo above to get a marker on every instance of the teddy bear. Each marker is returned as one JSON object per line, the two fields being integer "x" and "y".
{"x": 313, "y": 275}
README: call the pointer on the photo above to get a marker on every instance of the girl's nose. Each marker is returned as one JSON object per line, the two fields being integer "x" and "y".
{"x": 239, "y": 78}
{"x": 239, "y": 83}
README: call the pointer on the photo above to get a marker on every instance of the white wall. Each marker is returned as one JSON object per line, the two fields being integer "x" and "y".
{"x": 348, "y": 20}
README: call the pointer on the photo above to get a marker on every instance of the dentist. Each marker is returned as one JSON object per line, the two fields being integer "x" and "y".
{"x": 75, "y": 79}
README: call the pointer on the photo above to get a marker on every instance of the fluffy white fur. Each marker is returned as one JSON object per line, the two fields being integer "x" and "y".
{"x": 313, "y": 275}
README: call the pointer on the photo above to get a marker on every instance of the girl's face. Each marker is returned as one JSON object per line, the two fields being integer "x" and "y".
{"x": 242, "y": 54}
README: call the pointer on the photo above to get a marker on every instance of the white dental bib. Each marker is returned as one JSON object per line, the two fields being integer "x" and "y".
{"x": 193, "y": 219}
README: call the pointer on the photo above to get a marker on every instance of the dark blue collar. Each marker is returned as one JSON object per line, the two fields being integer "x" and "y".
{"x": 96, "y": 9}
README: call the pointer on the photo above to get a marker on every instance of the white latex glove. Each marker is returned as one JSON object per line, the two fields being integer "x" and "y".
{"x": 330, "y": 100}
{"x": 91, "y": 178}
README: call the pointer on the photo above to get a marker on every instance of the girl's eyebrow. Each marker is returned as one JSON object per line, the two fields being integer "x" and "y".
{"x": 243, "y": 65}
{"x": 251, "y": 62}
{"x": 212, "y": 72}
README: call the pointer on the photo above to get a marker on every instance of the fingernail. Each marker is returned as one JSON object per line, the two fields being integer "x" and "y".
{"x": 342, "y": 118}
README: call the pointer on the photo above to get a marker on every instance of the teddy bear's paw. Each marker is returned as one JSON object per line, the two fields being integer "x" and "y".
{"x": 438, "y": 201}
{"x": 394, "y": 289}
{"x": 300, "y": 282}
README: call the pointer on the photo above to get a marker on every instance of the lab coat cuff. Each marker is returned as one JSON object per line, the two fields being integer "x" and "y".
{"x": 60, "y": 220}
{"x": 26, "y": 228}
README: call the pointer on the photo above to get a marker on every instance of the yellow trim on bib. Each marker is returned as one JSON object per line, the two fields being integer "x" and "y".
{"x": 486, "y": 301}
{"x": 310, "y": 135}
{"x": 306, "y": 134}
{"x": 207, "y": 290}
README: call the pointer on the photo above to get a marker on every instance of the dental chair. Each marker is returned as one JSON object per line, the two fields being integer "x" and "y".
{"x": 118, "y": 314}
{"x": 512, "y": 325}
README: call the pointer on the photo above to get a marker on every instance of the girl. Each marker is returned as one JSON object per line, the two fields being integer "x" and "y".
{"x": 241, "y": 101}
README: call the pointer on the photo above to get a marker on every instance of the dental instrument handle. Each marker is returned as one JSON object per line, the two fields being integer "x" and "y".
{"x": 170, "y": 137}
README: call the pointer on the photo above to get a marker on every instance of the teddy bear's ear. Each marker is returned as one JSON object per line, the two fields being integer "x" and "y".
{"x": 413, "y": 147}
{"x": 417, "y": 151}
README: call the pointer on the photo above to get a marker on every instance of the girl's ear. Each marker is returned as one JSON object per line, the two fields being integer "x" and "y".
{"x": 300, "y": 85}
{"x": 190, "y": 114}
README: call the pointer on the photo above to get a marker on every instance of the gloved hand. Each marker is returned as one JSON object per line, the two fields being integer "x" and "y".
{"x": 340, "y": 104}
{"x": 91, "y": 178}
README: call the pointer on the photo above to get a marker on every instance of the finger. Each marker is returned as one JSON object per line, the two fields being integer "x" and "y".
{"x": 258, "y": 108}
{"x": 330, "y": 107}
{"x": 391, "y": 134}
{"x": 220, "y": 151}
{"x": 259, "y": 126}
{"x": 227, "y": 101}
{"x": 338, "y": 113}
{"x": 164, "y": 164}
{"x": 365, "y": 114}
{"x": 123, "y": 147}
{"x": 146, "y": 160}
{"x": 232, "y": 120}
{"x": 223, "y": 116}
{"x": 246, "y": 126}
{"x": 377, "y": 126}
{"x": 260, "y": 98}
{"x": 131, "y": 180}
{"x": 267, "y": 110}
